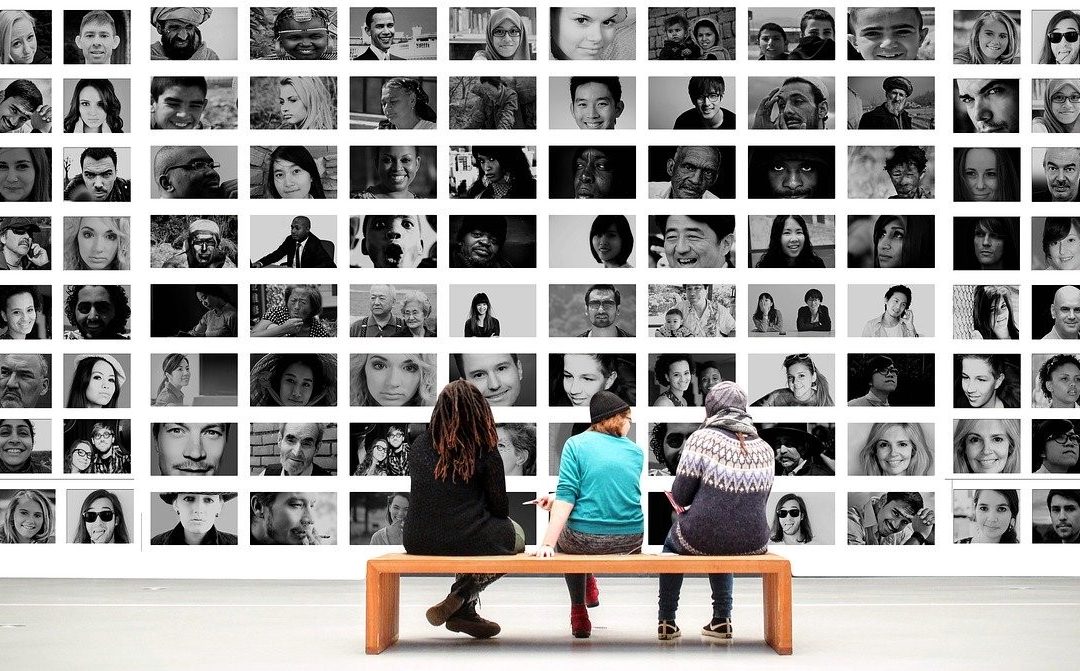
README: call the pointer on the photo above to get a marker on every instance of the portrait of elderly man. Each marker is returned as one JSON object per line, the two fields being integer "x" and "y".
{"x": 797, "y": 451}
{"x": 1063, "y": 507}
{"x": 906, "y": 167}
{"x": 1061, "y": 172}
{"x": 799, "y": 103}
{"x": 297, "y": 446}
{"x": 891, "y": 518}
{"x": 1065, "y": 312}
{"x": 380, "y": 322}
{"x": 202, "y": 248}
{"x": 98, "y": 178}
{"x": 189, "y": 448}
{"x": 881, "y": 377}
{"x": 20, "y": 251}
{"x": 286, "y": 518}
{"x": 379, "y": 30}
{"x": 693, "y": 241}
{"x": 181, "y": 39}
{"x": 602, "y": 303}
{"x": 790, "y": 171}
{"x": 300, "y": 249}
{"x": 17, "y": 453}
{"x": 197, "y": 514}
{"x": 478, "y": 241}
{"x": 189, "y": 172}
{"x": 692, "y": 172}
{"x": 25, "y": 381}
{"x": 98, "y": 312}
{"x": 23, "y": 109}
{"x": 890, "y": 115}
{"x": 392, "y": 240}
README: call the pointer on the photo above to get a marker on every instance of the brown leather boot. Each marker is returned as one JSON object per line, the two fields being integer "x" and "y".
{"x": 468, "y": 621}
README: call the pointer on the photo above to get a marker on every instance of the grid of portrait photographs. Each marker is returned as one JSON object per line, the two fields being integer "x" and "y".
{"x": 922, "y": 370}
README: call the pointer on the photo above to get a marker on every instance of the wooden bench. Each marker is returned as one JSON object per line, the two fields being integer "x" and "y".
{"x": 384, "y": 582}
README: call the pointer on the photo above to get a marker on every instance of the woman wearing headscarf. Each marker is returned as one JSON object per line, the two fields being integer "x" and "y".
{"x": 1061, "y": 107}
{"x": 506, "y": 39}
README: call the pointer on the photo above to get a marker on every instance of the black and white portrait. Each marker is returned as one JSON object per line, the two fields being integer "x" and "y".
{"x": 792, "y": 34}
{"x": 294, "y": 448}
{"x": 691, "y": 172}
{"x": 666, "y": 440}
{"x": 891, "y": 448}
{"x": 195, "y": 241}
{"x": 193, "y": 103}
{"x": 25, "y": 104}
{"x": 501, "y": 102}
{"x": 593, "y": 33}
{"x": 381, "y": 448}
{"x": 891, "y": 172}
{"x": 993, "y": 243}
{"x": 1054, "y": 177}
{"x": 1055, "y": 380}
{"x": 683, "y": 380}
{"x": 97, "y": 36}
{"x": 892, "y": 102}
{"x": 26, "y": 242}
{"x": 801, "y": 448}
{"x": 487, "y": 241}
{"x": 393, "y": 311}
{"x": 806, "y": 306}
{"x": 97, "y": 312}
{"x": 1055, "y": 446}
{"x": 294, "y": 103}
{"x": 193, "y": 310}
{"x": 1055, "y": 312}
{"x": 891, "y": 33}
{"x": 97, "y": 243}
{"x": 792, "y": 241}
{"x": 294, "y": 172}
{"x": 101, "y": 516}
{"x": 490, "y": 34}
{"x": 393, "y": 103}
{"x": 392, "y": 33}
{"x": 803, "y": 518}
{"x": 890, "y": 241}
{"x": 891, "y": 518}
{"x": 33, "y": 381}
{"x": 591, "y": 241}
{"x": 776, "y": 380}
{"x": 494, "y": 310}
{"x": 97, "y": 446}
{"x": 890, "y": 310}
{"x": 26, "y": 312}
{"x": 692, "y": 241}
{"x": 1055, "y": 242}
{"x": 986, "y": 105}
{"x": 94, "y": 174}
{"x": 293, "y": 241}
{"x": 35, "y": 513}
{"x": 392, "y": 241}
{"x": 378, "y": 518}
{"x": 986, "y": 516}
{"x": 517, "y": 448}
{"x": 575, "y": 378}
{"x": 790, "y": 171}
{"x": 791, "y": 103}
{"x": 505, "y": 380}
{"x": 891, "y": 379}
{"x": 986, "y": 312}
{"x": 1050, "y": 34}
{"x": 294, "y": 33}
{"x": 193, "y": 518}
{"x": 193, "y": 172}
{"x": 193, "y": 448}
{"x": 207, "y": 379}
{"x": 982, "y": 174}
{"x": 293, "y": 310}
{"x": 592, "y": 311}
{"x": 986, "y": 37}
{"x": 592, "y": 171}
{"x": 193, "y": 33}
{"x": 392, "y": 379}
{"x": 592, "y": 102}
{"x": 293, "y": 380}
{"x": 392, "y": 172}
{"x": 987, "y": 446}
{"x": 27, "y": 174}
{"x": 692, "y": 33}
{"x": 97, "y": 381}
{"x": 691, "y": 310}
{"x": 29, "y": 38}
{"x": 94, "y": 106}
{"x": 493, "y": 172}
{"x": 692, "y": 103}
{"x": 26, "y": 447}
{"x": 1055, "y": 105}
{"x": 293, "y": 518}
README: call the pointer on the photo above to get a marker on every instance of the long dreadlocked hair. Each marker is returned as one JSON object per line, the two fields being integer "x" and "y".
{"x": 462, "y": 429}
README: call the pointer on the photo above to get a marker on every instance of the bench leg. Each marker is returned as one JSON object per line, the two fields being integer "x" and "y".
{"x": 777, "y": 588}
{"x": 383, "y": 592}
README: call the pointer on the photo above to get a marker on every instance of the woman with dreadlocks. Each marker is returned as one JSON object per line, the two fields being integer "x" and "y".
{"x": 458, "y": 501}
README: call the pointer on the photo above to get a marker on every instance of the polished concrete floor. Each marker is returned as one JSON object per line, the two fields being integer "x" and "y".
{"x": 931, "y": 623}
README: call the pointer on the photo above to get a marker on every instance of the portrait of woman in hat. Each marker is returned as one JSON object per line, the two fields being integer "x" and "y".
{"x": 197, "y": 514}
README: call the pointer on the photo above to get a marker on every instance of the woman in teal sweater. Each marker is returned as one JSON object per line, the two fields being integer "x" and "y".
{"x": 596, "y": 508}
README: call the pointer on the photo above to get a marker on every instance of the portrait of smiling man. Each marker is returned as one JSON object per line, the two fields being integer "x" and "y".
{"x": 1061, "y": 171}
{"x": 596, "y": 102}
{"x": 1065, "y": 313}
{"x": 190, "y": 448}
{"x": 499, "y": 377}
{"x": 379, "y": 30}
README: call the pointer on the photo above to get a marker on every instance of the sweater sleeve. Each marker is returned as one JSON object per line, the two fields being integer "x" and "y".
{"x": 569, "y": 475}
{"x": 495, "y": 485}
{"x": 686, "y": 485}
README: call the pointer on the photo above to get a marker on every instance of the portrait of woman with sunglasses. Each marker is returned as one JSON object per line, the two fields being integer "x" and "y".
{"x": 791, "y": 522}
{"x": 101, "y": 520}
{"x": 1060, "y": 45}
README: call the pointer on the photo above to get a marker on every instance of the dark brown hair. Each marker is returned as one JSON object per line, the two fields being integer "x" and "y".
{"x": 462, "y": 429}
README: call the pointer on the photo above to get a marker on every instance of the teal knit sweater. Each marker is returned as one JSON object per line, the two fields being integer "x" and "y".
{"x": 600, "y": 475}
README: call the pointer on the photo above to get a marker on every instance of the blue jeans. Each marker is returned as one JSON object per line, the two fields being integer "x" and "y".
{"x": 722, "y": 585}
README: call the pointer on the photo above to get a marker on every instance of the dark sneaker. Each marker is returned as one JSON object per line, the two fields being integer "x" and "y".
{"x": 718, "y": 628}
{"x": 592, "y": 592}
{"x": 467, "y": 621}
{"x": 442, "y": 611}
{"x": 667, "y": 630}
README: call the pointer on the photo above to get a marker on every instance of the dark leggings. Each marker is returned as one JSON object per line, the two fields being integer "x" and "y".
{"x": 577, "y": 543}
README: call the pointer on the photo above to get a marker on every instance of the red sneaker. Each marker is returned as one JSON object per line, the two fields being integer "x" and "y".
{"x": 580, "y": 626}
{"x": 592, "y": 592}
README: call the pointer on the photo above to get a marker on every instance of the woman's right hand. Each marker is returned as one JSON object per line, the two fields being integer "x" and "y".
{"x": 545, "y": 501}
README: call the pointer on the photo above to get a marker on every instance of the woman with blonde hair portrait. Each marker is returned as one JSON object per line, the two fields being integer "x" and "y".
{"x": 392, "y": 380}
{"x": 994, "y": 39}
{"x": 506, "y": 39}
{"x": 986, "y": 446}
{"x": 406, "y": 105}
{"x": 306, "y": 103}
{"x": 806, "y": 385}
{"x": 97, "y": 243}
{"x": 895, "y": 449}
{"x": 18, "y": 39}
{"x": 30, "y": 518}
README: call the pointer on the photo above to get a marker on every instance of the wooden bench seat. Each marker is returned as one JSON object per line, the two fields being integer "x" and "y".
{"x": 384, "y": 582}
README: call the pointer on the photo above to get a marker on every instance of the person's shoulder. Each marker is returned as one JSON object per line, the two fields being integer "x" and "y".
{"x": 962, "y": 56}
{"x": 41, "y": 462}
{"x": 161, "y": 539}
{"x": 225, "y": 538}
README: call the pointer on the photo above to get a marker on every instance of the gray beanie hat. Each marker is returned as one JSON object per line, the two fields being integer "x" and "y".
{"x": 606, "y": 404}
{"x": 725, "y": 395}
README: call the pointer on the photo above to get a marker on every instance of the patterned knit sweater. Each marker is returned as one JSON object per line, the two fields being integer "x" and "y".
{"x": 724, "y": 486}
